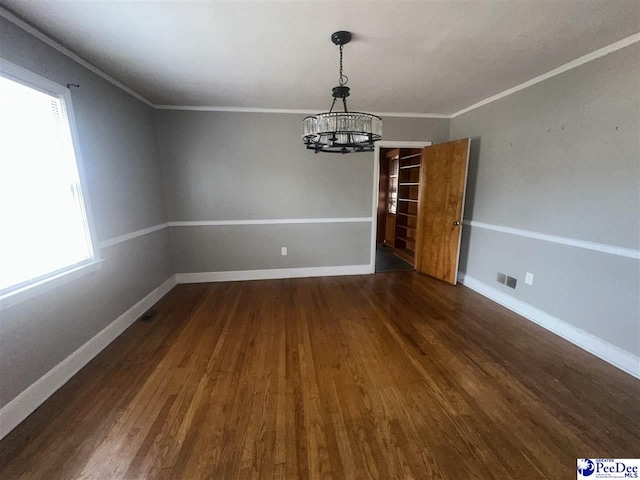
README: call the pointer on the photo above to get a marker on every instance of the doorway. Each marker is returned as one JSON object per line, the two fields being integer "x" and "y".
{"x": 418, "y": 207}
{"x": 396, "y": 180}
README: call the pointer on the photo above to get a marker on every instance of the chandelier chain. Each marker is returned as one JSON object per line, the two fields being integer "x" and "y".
{"x": 343, "y": 78}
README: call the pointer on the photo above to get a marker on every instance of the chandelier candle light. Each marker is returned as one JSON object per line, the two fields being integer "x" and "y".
{"x": 341, "y": 132}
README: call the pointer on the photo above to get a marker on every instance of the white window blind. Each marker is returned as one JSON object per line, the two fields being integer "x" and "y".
{"x": 44, "y": 228}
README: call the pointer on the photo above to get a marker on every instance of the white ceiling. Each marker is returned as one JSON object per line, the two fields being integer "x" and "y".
{"x": 424, "y": 57}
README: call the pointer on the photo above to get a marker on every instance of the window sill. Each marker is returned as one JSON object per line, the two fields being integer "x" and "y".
{"x": 13, "y": 298}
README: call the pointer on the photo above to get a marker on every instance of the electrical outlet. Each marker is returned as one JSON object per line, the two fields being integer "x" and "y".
{"x": 501, "y": 278}
{"x": 528, "y": 278}
{"x": 283, "y": 251}
{"x": 511, "y": 282}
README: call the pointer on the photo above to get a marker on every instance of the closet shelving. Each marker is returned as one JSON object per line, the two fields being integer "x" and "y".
{"x": 410, "y": 163}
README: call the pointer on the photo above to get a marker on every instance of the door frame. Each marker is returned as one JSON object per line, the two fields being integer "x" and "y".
{"x": 376, "y": 188}
{"x": 464, "y": 201}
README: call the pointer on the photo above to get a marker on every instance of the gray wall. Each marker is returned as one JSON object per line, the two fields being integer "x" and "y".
{"x": 119, "y": 149}
{"x": 249, "y": 166}
{"x": 562, "y": 157}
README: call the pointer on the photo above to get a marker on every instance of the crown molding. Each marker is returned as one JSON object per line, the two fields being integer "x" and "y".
{"x": 65, "y": 51}
{"x": 204, "y": 108}
{"x": 625, "y": 42}
{"x": 412, "y": 115}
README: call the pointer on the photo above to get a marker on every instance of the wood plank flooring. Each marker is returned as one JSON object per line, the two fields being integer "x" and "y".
{"x": 391, "y": 375}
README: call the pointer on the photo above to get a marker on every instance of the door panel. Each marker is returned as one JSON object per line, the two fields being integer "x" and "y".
{"x": 390, "y": 235}
{"x": 442, "y": 186}
{"x": 383, "y": 191}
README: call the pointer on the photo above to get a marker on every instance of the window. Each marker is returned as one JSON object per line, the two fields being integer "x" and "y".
{"x": 44, "y": 228}
{"x": 394, "y": 164}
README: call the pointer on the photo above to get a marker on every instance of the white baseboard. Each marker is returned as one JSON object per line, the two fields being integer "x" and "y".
{"x": 616, "y": 356}
{"x": 35, "y": 395}
{"x": 275, "y": 273}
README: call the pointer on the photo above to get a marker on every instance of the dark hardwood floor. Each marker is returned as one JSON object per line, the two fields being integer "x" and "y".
{"x": 382, "y": 376}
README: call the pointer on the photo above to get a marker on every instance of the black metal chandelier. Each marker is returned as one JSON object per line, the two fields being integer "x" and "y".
{"x": 341, "y": 132}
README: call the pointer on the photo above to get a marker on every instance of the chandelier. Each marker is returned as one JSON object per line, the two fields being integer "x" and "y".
{"x": 341, "y": 132}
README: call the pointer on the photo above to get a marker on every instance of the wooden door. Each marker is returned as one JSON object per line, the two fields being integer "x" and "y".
{"x": 392, "y": 196}
{"x": 383, "y": 191}
{"x": 390, "y": 231}
{"x": 442, "y": 185}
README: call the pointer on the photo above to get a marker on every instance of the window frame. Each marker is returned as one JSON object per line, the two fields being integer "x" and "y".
{"x": 28, "y": 289}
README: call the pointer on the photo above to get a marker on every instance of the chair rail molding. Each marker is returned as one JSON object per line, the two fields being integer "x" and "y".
{"x": 572, "y": 242}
